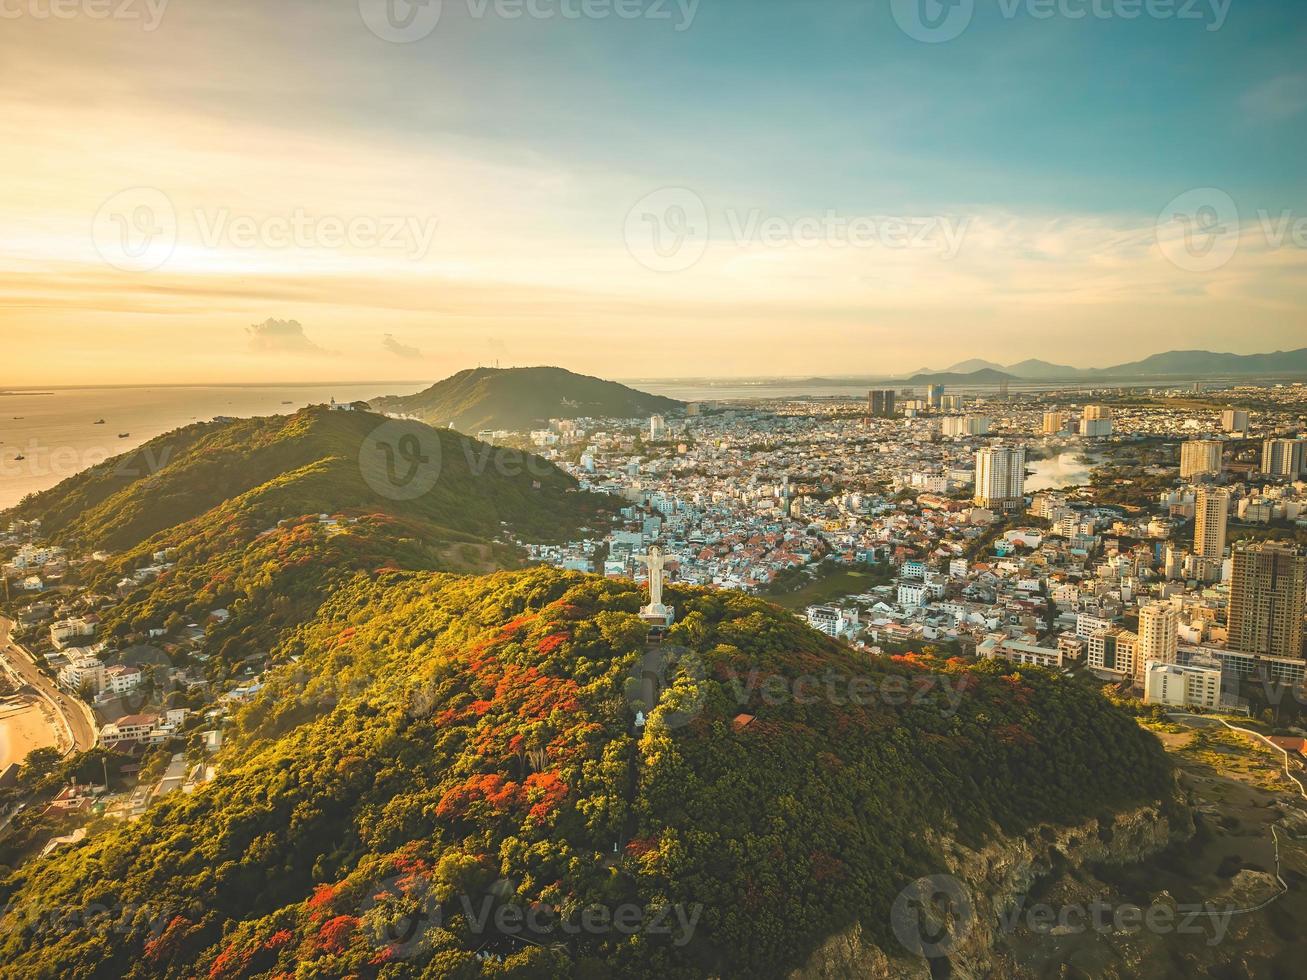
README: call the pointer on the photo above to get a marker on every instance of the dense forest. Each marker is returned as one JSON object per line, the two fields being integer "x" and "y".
{"x": 446, "y": 778}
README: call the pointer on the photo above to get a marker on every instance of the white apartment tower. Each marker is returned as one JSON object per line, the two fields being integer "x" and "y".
{"x": 1234, "y": 420}
{"x": 1211, "y": 511}
{"x": 1284, "y": 458}
{"x": 1096, "y": 421}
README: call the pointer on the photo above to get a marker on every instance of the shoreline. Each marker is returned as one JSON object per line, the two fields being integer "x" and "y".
{"x": 27, "y": 723}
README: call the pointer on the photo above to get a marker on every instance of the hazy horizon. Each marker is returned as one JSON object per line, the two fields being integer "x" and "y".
{"x": 285, "y": 382}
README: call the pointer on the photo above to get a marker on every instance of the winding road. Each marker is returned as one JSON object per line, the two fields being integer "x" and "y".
{"x": 75, "y": 714}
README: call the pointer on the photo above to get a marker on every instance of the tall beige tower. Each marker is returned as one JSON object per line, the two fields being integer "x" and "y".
{"x": 1159, "y": 636}
{"x": 1211, "y": 511}
{"x": 1267, "y": 598}
{"x": 1200, "y": 457}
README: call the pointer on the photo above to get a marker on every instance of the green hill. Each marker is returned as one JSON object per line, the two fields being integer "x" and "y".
{"x": 237, "y": 510}
{"x": 449, "y": 783}
{"x": 521, "y": 399}
{"x": 315, "y": 461}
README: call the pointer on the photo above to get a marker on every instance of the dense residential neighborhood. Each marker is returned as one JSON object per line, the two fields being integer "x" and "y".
{"x": 883, "y": 521}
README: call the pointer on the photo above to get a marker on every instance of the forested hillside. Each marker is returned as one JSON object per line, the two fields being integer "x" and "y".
{"x": 445, "y": 758}
{"x": 263, "y": 517}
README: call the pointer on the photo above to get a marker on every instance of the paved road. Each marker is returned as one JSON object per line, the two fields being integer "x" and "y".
{"x": 75, "y": 714}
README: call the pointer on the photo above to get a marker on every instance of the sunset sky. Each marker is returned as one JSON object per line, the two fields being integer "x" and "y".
{"x": 241, "y": 191}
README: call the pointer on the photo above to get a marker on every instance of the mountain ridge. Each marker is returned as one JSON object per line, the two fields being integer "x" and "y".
{"x": 1179, "y": 363}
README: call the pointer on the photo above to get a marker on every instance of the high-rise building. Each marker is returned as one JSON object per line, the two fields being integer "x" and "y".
{"x": 1159, "y": 635}
{"x": 1200, "y": 457}
{"x": 1001, "y": 477}
{"x": 1266, "y": 598}
{"x": 1096, "y": 421}
{"x": 1234, "y": 420}
{"x": 935, "y": 395}
{"x": 880, "y": 404}
{"x": 1284, "y": 458}
{"x": 965, "y": 425}
{"x": 657, "y": 427}
{"x": 1211, "y": 512}
{"x": 1054, "y": 422}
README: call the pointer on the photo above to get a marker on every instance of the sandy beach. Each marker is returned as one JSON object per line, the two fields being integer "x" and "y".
{"x": 26, "y": 725}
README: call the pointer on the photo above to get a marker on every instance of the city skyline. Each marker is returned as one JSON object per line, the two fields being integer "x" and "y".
{"x": 523, "y": 188}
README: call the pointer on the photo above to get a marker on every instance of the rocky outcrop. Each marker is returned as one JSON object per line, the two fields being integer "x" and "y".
{"x": 950, "y": 924}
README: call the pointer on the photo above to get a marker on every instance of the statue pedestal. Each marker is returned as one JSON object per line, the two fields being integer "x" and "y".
{"x": 658, "y": 615}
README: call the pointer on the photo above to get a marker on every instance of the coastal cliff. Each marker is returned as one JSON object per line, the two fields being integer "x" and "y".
{"x": 957, "y": 916}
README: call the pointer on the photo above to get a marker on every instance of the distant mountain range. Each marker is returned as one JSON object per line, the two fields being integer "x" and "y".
{"x": 981, "y": 376}
{"x": 520, "y": 399}
{"x": 1176, "y": 363}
